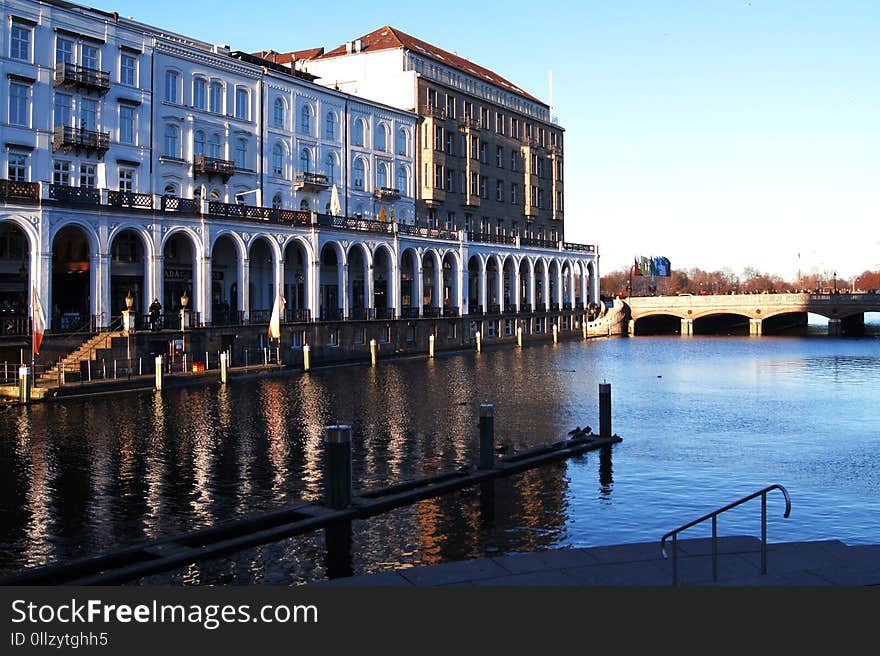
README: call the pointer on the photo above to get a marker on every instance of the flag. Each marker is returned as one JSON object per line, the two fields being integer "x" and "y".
{"x": 39, "y": 323}
{"x": 638, "y": 269}
{"x": 663, "y": 267}
{"x": 275, "y": 320}
{"x": 335, "y": 207}
{"x": 645, "y": 266}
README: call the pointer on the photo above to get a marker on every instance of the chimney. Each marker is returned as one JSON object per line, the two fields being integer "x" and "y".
{"x": 358, "y": 45}
{"x": 348, "y": 47}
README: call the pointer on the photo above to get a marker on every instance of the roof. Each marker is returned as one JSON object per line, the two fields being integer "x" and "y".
{"x": 389, "y": 38}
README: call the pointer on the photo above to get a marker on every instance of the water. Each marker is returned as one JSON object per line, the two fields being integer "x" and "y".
{"x": 704, "y": 420}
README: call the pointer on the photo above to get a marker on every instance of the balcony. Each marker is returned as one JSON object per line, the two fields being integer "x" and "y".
{"x": 182, "y": 205}
{"x": 386, "y": 194}
{"x": 469, "y": 123}
{"x": 434, "y": 111}
{"x": 74, "y": 76}
{"x": 131, "y": 200}
{"x": 75, "y": 139}
{"x": 21, "y": 192}
{"x": 491, "y": 238}
{"x": 538, "y": 243}
{"x": 311, "y": 182}
{"x": 212, "y": 166}
{"x": 583, "y": 248}
{"x": 75, "y": 195}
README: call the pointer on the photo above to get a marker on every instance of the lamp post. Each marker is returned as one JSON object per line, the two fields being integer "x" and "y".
{"x": 834, "y": 275}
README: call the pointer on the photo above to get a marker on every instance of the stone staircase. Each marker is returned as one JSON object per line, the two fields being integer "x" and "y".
{"x": 71, "y": 363}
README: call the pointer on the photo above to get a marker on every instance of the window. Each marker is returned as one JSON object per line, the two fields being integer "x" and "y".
{"x": 61, "y": 172}
{"x": 450, "y": 106}
{"x": 198, "y": 143}
{"x": 17, "y": 167}
{"x": 484, "y": 118}
{"x": 484, "y": 158}
{"x": 438, "y": 176}
{"x": 450, "y": 220}
{"x": 20, "y": 41}
{"x": 63, "y": 110}
{"x": 438, "y": 137}
{"x": 330, "y": 163}
{"x": 88, "y": 115}
{"x": 126, "y": 180}
{"x": 475, "y": 147}
{"x": 450, "y": 143}
{"x": 18, "y": 104}
{"x": 63, "y": 51}
{"x": 215, "y": 147}
{"x": 514, "y": 199}
{"x": 483, "y": 191}
{"x": 91, "y": 57}
{"x": 278, "y": 113}
{"x": 278, "y": 160}
{"x": 200, "y": 92}
{"x": 276, "y": 202}
{"x": 468, "y": 109}
{"x": 330, "y": 125}
{"x": 215, "y": 98}
{"x": 171, "y": 190}
{"x": 499, "y": 191}
{"x": 242, "y": 104}
{"x": 172, "y": 141}
{"x": 401, "y": 142}
{"x": 499, "y": 157}
{"x": 381, "y": 174}
{"x": 87, "y": 176}
{"x": 514, "y": 158}
{"x": 450, "y": 180}
{"x": 126, "y": 124}
{"x": 128, "y": 70}
{"x": 499, "y": 122}
{"x": 381, "y": 137}
{"x": 305, "y": 160}
{"x": 514, "y": 128}
{"x": 402, "y": 180}
{"x": 305, "y": 119}
{"x": 540, "y": 199}
{"x": 241, "y": 154}
{"x": 357, "y": 132}
{"x": 474, "y": 184}
{"x": 358, "y": 174}
{"x": 172, "y": 82}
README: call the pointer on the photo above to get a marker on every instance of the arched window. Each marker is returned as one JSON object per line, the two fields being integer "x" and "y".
{"x": 199, "y": 143}
{"x": 215, "y": 98}
{"x": 276, "y": 202}
{"x": 242, "y": 103}
{"x": 304, "y": 205}
{"x": 358, "y": 174}
{"x": 357, "y": 132}
{"x": 172, "y": 86}
{"x": 170, "y": 190}
{"x": 305, "y": 160}
{"x": 214, "y": 195}
{"x": 172, "y": 141}
{"x": 278, "y": 160}
{"x": 402, "y": 180}
{"x": 200, "y": 93}
{"x": 278, "y": 113}
{"x": 241, "y": 154}
{"x": 401, "y": 142}
{"x": 330, "y": 125}
{"x": 381, "y": 140}
{"x": 381, "y": 174}
{"x": 215, "y": 147}
{"x": 305, "y": 119}
{"x": 330, "y": 164}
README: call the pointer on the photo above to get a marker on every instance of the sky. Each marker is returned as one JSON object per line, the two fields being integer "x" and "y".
{"x": 722, "y": 134}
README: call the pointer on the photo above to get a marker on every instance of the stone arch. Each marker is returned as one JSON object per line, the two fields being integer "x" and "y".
{"x": 408, "y": 265}
{"x": 331, "y": 280}
{"x": 130, "y": 268}
{"x": 181, "y": 250}
{"x": 227, "y": 270}
{"x": 262, "y": 278}
{"x": 298, "y": 278}
{"x": 383, "y": 279}
{"x": 476, "y": 282}
{"x": 451, "y": 283}
{"x": 526, "y": 284}
{"x": 432, "y": 281}
{"x": 19, "y": 264}
{"x": 74, "y": 279}
{"x": 359, "y": 287}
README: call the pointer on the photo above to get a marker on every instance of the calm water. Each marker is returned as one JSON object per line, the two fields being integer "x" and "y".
{"x": 704, "y": 421}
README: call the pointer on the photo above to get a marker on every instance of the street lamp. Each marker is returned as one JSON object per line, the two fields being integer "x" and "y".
{"x": 834, "y": 275}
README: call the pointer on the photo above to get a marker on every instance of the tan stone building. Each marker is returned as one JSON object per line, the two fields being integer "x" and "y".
{"x": 489, "y": 156}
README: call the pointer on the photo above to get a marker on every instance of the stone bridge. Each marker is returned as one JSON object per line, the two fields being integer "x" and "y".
{"x": 765, "y": 313}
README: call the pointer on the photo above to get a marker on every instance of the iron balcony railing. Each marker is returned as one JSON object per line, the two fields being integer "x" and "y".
{"x": 256, "y": 213}
{"x": 409, "y": 313}
{"x": 74, "y": 75}
{"x": 297, "y": 315}
{"x": 75, "y": 195}
{"x": 422, "y": 231}
{"x": 363, "y": 225}
{"x": 583, "y": 248}
{"x": 181, "y": 205}
{"x": 435, "y": 111}
{"x": 129, "y": 199}
{"x": 714, "y": 517}
{"x": 431, "y": 312}
{"x": 68, "y": 138}
{"x": 491, "y": 238}
{"x": 14, "y": 324}
{"x": 209, "y": 166}
{"x": 386, "y": 193}
{"x": 20, "y": 191}
{"x": 539, "y": 243}
{"x": 384, "y": 313}
{"x": 315, "y": 181}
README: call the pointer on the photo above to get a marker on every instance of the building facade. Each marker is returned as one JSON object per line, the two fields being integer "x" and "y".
{"x": 143, "y": 164}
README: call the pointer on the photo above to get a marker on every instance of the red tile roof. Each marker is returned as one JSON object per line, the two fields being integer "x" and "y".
{"x": 389, "y": 38}
{"x": 288, "y": 57}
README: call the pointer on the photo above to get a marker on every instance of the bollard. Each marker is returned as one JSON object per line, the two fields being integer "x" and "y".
{"x": 519, "y": 336}
{"x": 373, "y": 352}
{"x": 24, "y": 385}
{"x": 555, "y": 333}
{"x": 337, "y": 466}
{"x": 430, "y": 346}
{"x": 160, "y": 372}
{"x": 487, "y": 436}
{"x": 307, "y": 364}
{"x": 479, "y": 344}
{"x": 584, "y": 329}
{"x": 605, "y": 409}
{"x": 224, "y": 368}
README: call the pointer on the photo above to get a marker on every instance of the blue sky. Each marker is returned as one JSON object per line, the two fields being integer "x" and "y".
{"x": 719, "y": 133}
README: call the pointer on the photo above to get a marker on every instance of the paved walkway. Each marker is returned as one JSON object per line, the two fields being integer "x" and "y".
{"x": 823, "y": 563}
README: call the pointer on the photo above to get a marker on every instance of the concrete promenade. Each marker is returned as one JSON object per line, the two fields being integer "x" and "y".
{"x": 820, "y": 563}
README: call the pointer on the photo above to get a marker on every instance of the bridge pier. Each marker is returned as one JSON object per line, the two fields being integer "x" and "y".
{"x": 631, "y": 327}
{"x": 687, "y": 327}
{"x": 756, "y": 327}
{"x": 834, "y": 327}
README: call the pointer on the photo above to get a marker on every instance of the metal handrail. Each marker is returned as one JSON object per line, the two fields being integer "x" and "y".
{"x": 714, "y": 517}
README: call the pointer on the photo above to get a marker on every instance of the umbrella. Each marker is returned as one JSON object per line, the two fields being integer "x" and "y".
{"x": 382, "y": 215}
{"x": 335, "y": 208}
